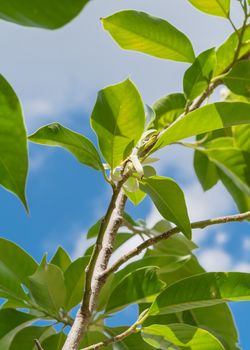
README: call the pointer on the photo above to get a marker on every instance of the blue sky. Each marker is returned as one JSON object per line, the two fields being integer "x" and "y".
{"x": 57, "y": 76}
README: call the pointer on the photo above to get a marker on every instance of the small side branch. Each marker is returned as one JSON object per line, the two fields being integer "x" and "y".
{"x": 121, "y": 336}
{"x": 38, "y": 345}
{"x": 154, "y": 240}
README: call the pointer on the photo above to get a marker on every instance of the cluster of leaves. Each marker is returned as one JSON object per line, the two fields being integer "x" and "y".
{"x": 185, "y": 306}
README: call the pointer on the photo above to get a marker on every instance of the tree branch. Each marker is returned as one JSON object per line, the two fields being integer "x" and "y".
{"x": 152, "y": 241}
{"x": 120, "y": 336}
{"x": 97, "y": 264}
{"x": 38, "y": 345}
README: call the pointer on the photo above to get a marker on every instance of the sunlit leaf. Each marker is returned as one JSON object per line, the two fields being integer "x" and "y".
{"x": 169, "y": 200}
{"x": 118, "y": 119}
{"x": 138, "y": 31}
{"x": 50, "y": 14}
{"x": 213, "y": 7}
{"x": 176, "y": 336}
{"x": 59, "y": 136}
{"x": 13, "y": 143}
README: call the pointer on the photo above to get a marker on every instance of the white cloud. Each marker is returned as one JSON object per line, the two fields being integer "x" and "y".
{"x": 66, "y": 67}
{"x": 246, "y": 244}
{"x": 221, "y": 238}
{"x": 215, "y": 259}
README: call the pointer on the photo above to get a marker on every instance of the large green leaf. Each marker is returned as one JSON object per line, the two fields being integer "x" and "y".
{"x": 180, "y": 336}
{"x": 59, "y": 136}
{"x": 241, "y": 199}
{"x": 139, "y": 286}
{"x": 208, "y": 118}
{"x": 238, "y": 79}
{"x": 234, "y": 163}
{"x": 93, "y": 337}
{"x": 74, "y": 282}
{"x": 15, "y": 266}
{"x": 205, "y": 170}
{"x": 132, "y": 342}
{"x": 169, "y": 200}
{"x": 203, "y": 290}
{"x": 134, "y": 30}
{"x": 11, "y": 322}
{"x": 226, "y": 52}
{"x": 13, "y": 143}
{"x": 61, "y": 259}
{"x": 118, "y": 119}
{"x": 167, "y": 109}
{"x": 241, "y": 135}
{"x": 197, "y": 77}
{"x": 25, "y": 338}
{"x": 47, "y": 288}
{"x": 213, "y": 7}
{"x": 50, "y": 14}
{"x": 54, "y": 342}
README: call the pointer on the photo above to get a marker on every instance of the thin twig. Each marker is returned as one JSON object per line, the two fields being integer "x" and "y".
{"x": 121, "y": 336}
{"x": 152, "y": 241}
{"x": 38, "y": 345}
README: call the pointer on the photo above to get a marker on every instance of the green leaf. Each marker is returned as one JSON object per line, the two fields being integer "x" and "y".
{"x": 93, "y": 337}
{"x": 225, "y": 53}
{"x": 74, "y": 281}
{"x": 198, "y": 76}
{"x": 234, "y": 163}
{"x": 54, "y": 342}
{"x": 135, "y": 197}
{"x": 205, "y": 170}
{"x": 94, "y": 229}
{"x": 82, "y": 148}
{"x": 13, "y": 143}
{"x": 11, "y": 322}
{"x": 174, "y": 336}
{"x": 25, "y": 338}
{"x": 139, "y": 286}
{"x": 61, "y": 259}
{"x": 208, "y": 118}
{"x": 118, "y": 119}
{"x": 169, "y": 200}
{"x": 138, "y": 31}
{"x": 241, "y": 198}
{"x": 17, "y": 260}
{"x": 50, "y": 14}
{"x": 47, "y": 287}
{"x": 213, "y": 7}
{"x": 241, "y": 135}
{"x": 238, "y": 78}
{"x": 167, "y": 109}
{"x": 15, "y": 266}
{"x": 203, "y": 290}
{"x": 132, "y": 342}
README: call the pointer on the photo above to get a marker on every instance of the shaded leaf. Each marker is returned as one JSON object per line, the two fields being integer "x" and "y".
{"x": 205, "y": 170}
{"x": 59, "y": 136}
{"x": 47, "y": 287}
{"x": 54, "y": 342}
{"x": 141, "y": 285}
{"x": 138, "y": 31}
{"x": 169, "y": 200}
{"x": 61, "y": 259}
{"x": 25, "y": 338}
{"x": 118, "y": 119}
{"x": 167, "y": 109}
{"x": 11, "y": 322}
{"x": 13, "y": 143}
{"x": 49, "y": 14}
{"x": 74, "y": 282}
{"x": 238, "y": 78}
